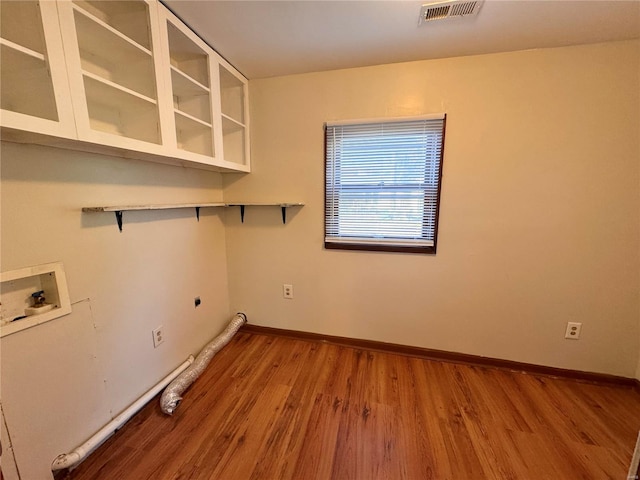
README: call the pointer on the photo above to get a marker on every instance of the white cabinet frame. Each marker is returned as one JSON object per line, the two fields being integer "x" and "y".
{"x": 79, "y": 94}
{"x": 110, "y": 104}
{"x": 222, "y": 63}
{"x": 55, "y": 63}
{"x": 167, "y": 18}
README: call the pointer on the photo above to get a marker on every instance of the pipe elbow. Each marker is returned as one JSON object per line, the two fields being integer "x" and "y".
{"x": 65, "y": 460}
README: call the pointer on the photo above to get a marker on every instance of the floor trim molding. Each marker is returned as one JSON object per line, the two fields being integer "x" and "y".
{"x": 445, "y": 356}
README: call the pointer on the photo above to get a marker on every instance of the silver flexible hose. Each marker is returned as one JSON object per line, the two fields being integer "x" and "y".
{"x": 172, "y": 395}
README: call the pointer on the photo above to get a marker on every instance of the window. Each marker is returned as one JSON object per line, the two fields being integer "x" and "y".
{"x": 382, "y": 187}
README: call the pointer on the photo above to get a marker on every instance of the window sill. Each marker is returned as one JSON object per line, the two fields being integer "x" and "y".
{"x": 430, "y": 250}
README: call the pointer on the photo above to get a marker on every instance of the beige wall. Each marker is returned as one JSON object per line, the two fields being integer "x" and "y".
{"x": 64, "y": 380}
{"x": 539, "y": 226}
{"x": 539, "y": 216}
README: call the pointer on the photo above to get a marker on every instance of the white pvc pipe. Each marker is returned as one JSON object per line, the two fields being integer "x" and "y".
{"x": 66, "y": 460}
{"x": 635, "y": 462}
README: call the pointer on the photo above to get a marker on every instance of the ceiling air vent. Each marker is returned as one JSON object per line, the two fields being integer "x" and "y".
{"x": 449, "y": 9}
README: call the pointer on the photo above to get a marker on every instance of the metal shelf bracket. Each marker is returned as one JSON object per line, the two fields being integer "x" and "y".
{"x": 119, "y": 218}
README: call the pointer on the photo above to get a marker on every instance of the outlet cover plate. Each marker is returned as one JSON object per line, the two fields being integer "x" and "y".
{"x": 573, "y": 330}
{"x": 158, "y": 336}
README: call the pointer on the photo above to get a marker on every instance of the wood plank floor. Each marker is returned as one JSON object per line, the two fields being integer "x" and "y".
{"x": 276, "y": 408}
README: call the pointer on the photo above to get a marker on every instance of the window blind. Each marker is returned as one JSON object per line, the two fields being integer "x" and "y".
{"x": 382, "y": 182}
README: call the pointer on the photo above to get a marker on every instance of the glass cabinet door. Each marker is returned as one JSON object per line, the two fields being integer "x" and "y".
{"x": 34, "y": 89}
{"x": 190, "y": 81}
{"x": 111, "y": 49}
{"x": 234, "y": 112}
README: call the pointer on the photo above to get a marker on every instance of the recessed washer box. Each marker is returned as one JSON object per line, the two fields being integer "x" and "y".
{"x": 16, "y": 289}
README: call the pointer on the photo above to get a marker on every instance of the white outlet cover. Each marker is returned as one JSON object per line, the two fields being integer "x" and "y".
{"x": 573, "y": 331}
{"x": 287, "y": 291}
{"x": 158, "y": 336}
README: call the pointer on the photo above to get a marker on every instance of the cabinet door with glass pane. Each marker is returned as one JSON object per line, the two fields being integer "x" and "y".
{"x": 235, "y": 116}
{"x": 34, "y": 88}
{"x": 187, "y": 69}
{"x": 112, "y": 55}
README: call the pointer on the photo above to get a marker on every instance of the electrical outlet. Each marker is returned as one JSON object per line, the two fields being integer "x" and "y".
{"x": 287, "y": 291}
{"x": 573, "y": 330}
{"x": 158, "y": 336}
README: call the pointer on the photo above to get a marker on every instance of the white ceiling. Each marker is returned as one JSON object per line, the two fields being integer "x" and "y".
{"x": 270, "y": 38}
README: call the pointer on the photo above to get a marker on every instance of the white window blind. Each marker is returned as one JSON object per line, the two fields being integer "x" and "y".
{"x": 382, "y": 184}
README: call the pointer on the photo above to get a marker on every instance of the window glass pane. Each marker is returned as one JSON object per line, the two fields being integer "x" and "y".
{"x": 382, "y": 182}
{"x": 394, "y": 214}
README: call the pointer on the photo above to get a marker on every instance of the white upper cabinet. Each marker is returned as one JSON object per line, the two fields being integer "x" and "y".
{"x": 120, "y": 76}
{"x": 208, "y": 115}
{"x": 34, "y": 89}
{"x": 235, "y": 115}
{"x": 188, "y": 64}
{"x": 112, "y": 54}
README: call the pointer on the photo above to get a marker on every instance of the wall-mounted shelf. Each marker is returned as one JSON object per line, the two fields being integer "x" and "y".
{"x": 128, "y": 208}
{"x": 283, "y": 206}
{"x": 118, "y": 210}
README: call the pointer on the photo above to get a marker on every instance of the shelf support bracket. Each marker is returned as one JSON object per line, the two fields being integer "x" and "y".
{"x": 241, "y": 213}
{"x": 119, "y": 218}
{"x": 198, "y": 213}
{"x": 284, "y": 215}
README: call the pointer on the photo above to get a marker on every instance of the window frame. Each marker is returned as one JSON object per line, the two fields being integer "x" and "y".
{"x": 386, "y": 245}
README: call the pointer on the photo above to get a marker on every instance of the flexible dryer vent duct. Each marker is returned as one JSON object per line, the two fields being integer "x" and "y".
{"x": 172, "y": 395}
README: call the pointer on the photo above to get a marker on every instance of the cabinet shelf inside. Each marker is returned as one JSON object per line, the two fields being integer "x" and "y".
{"x": 186, "y": 56}
{"x": 184, "y": 85}
{"x": 103, "y": 35}
{"x": 233, "y": 139}
{"x": 231, "y": 125}
{"x": 112, "y": 56}
{"x": 8, "y": 44}
{"x": 26, "y": 83}
{"x": 130, "y": 18}
{"x": 116, "y": 111}
{"x": 120, "y": 88}
{"x": 191, "y": 118}
{"x": 20, "y": 23}
{"x": 196, "y": 106}
{"x": 232, "y": 96}
{"x": 193, "y": 135}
